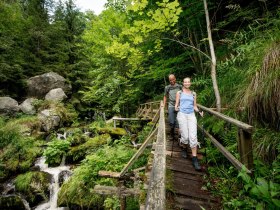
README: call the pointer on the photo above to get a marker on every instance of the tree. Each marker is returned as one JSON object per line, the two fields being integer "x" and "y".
{"x": 213, "y": 59}
{"x": 11, "y": 50}
{"x": 122, "y": 44}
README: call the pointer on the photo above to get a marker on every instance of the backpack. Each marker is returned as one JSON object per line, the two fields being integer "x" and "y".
{"x": 169, "y": 87}
{"x": 192, "y": 92}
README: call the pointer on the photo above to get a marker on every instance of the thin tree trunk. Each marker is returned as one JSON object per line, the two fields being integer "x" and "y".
{"x": 213, "y": 58}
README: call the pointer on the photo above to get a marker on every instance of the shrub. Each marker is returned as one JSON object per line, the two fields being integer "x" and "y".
{"x": 55, "y": 151}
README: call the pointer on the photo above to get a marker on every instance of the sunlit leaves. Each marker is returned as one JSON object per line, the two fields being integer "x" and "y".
{"x": 145, "y": 30}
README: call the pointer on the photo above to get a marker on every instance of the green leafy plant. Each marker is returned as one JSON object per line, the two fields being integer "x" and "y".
{"x": 55, "y": 151}
{"x": 260, "y": 192}
{"x": 112, "y": 203}
{"x": 85, "y": 177}
{"x": 18, "y": 152}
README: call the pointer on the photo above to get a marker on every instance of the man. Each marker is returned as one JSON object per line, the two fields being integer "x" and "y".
{"x": 170, "y": 95}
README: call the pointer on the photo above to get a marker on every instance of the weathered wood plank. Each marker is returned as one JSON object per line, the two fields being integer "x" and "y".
{"x": 156, "y": 192}
{"x": 238, "y": 123}
{"x": 138, "y": 153}
{"x": 190, "y": 204}
{"x": 225, "y": 152}
{"x": 156, "y": 117}
{"x": 245, "y": 148}
{"x": 129, "y": 119}
{"x": 120, "y": 191}
{"x": 109, "y": 174}
{"x": 191, "y": 192}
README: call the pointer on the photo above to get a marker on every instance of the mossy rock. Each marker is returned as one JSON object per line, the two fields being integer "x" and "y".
{"x": 76, "y": 136}
{"x": 11, "y": 202}
{"x": 27, "y": 124}
{"x": 77, "y": 195}
{"x": 77, "y": 153}
{"x": 114, "y": 132}
{"x": 34, "y": 186}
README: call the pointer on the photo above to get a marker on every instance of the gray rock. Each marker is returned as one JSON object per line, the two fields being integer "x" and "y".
{"x": 40, "y": 85}
{"x": 63, "y": 176}
{"x": 8, "y": 105}
{"x": 49, "y": 119}
{"x": 27, "y": 107}
{"x": 55, "y": 95}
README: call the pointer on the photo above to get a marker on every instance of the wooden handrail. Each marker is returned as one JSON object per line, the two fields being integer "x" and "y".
{"x": 238, "y": 123}
{"x": 245, "y": 147}
{"x": 138, "y": 153}
{"x": 147, "y": 110}
{"x": 156, "y": 192}
{"x": 225, "y": 152}
{"x": 152, "y": 102}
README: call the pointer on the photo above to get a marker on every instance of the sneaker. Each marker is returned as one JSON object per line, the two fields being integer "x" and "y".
{"x": 196, "y": 163}
{"x": 184, "y": 153}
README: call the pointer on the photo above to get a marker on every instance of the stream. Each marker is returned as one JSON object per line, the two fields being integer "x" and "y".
{"x": 54, "y": 187}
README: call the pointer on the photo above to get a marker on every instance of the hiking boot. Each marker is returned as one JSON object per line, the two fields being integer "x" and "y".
{"x": 196, "y": 163}
{"x": 184, "y": 153}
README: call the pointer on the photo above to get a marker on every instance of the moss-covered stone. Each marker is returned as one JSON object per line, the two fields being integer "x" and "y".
{"x": 77, "y": 153}
{"x": 11, "y": 202}
{"x": 76, "y": 136}
{"x": 27, "y": 125}
{"x": 114, "y": 132}
{"x": 18, "y": 151}
{"x": 77, "y": 195}
{"x": 34, "y": 186}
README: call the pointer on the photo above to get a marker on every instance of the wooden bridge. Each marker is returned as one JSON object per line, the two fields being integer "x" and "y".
{"x": 172, "y": 182}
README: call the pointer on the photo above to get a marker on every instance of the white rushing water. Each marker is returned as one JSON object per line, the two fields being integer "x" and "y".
{"x": 54, "y": 188}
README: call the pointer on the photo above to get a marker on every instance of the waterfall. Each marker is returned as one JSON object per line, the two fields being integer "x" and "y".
{"x": 8, "y": 187}
{"x": 63, "y": 160}
{"x": 25, "y": 203}
{"x": 54, "y": 187}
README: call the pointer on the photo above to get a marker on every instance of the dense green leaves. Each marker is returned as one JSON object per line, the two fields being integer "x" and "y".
{"x": 17, "y": 152}
{"x": 55, "y": 151}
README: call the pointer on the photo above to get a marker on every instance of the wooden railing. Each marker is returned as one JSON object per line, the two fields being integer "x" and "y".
{"x": 148, "y": 110}
{"x": 156, "y": 192}
{"x": 155, "y": 199}
{"x": 245, "y": 148}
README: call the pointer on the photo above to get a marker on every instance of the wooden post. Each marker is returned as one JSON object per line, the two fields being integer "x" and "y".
{"x": 123, "y": 202}
{"x": 245, "y": 148}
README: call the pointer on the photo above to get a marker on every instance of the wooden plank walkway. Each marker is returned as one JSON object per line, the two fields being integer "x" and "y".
{"x": 185, "y": 189}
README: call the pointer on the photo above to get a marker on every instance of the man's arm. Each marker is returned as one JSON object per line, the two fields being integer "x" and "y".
{"x": 165, "y": 96}
{"x": 164, "y": 100}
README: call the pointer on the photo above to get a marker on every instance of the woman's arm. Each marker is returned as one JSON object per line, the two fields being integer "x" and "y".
{"x": 195, "y": 106}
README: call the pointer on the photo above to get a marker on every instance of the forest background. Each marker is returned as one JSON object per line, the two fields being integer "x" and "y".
{"x": 122, "y": 57}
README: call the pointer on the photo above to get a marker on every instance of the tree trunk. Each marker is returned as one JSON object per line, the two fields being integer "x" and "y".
{"x": 213, "y": 58}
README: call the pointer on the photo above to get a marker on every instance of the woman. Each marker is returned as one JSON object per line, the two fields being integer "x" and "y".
{"x": 186, "y": 105}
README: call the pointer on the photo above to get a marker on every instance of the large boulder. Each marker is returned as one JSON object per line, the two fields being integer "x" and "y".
{"x": 40, "y": 85}
{"x": 8, "y": 105}
{"x": 49, "y": 119}
{"x": 27, "y": 107}
{"x": 11, "y": 202}
{"x": 56, "y": 95}
{"x": 34, "y": 186}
